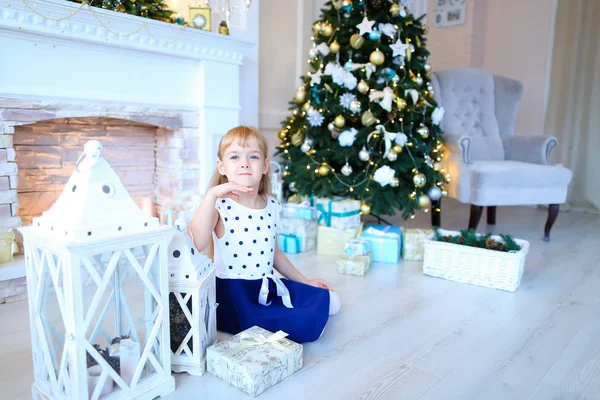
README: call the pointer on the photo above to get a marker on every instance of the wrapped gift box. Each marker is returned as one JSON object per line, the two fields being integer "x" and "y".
{"x": 385, "y": 242}
{"x": 412, "y": 243}
{"x": 338, "y": 213}
{"x": 357, "y": 247}
{"x": 331, "y": 241}
{"x": 296, "y": 235}
{"x": 299, "y": 211}
{"x": 353, "y": 265}
{"x": 255, "y": 359}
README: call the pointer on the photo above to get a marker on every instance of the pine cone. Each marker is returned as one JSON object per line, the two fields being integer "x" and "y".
{"x": 393, "y": 114}
{"x": 491, "y": 244}
{"x": 335, "y": 133}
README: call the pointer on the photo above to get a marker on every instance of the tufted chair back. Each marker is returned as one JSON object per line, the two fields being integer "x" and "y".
{"x": 479, "y": 105}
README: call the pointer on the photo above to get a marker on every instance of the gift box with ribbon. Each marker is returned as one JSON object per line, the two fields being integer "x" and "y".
{"x": 255, "y": 359}
{"x": 385, "y": 242}
{"x": 331, "y": 241}
{"x": 412, "y": 243}
{"x": 353, "y": 265}
{"x": 298, "y": 211}
{"x": 357, "y": 247}
{"x": 296, "y": 235}
{"x": 338, "y": 213}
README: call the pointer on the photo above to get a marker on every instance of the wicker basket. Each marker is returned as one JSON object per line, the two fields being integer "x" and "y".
{"x": 483, "y": 267}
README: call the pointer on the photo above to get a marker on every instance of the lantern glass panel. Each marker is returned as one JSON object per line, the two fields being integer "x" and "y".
{"x": 180, "y": 314}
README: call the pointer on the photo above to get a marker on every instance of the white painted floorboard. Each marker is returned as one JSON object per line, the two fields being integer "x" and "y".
{"x": 403, "y": 335}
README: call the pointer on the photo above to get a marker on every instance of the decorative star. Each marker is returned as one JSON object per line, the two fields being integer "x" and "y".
{"x": 365, "y": 26}
{"x": 315, "y": 78}
{"x": 399, "y": 48}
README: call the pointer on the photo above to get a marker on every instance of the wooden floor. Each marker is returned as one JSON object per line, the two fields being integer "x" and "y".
{"x": 403, "y": 335}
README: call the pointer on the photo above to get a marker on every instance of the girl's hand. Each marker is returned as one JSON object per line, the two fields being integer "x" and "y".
{"x": 231, "y": 190}
{"x": 320, "y": 283}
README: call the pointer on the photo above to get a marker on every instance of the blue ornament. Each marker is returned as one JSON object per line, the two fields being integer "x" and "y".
{"x": 346, "y": 8}
{"x": 375, "y": 35}
{"x": 180, "y": 21}
{"x": 348, "y": 66}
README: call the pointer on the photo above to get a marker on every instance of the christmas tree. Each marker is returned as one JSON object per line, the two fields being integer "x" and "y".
{"x": 153, "y": 9}
{"x": 364, "y": 124}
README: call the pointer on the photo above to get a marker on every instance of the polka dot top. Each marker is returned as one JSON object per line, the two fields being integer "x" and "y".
{"x": 247, "y": 247}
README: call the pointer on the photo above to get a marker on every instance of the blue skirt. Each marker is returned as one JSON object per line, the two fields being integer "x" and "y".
{"x": 239, "y": 308}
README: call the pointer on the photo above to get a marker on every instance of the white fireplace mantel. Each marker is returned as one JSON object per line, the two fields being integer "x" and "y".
{"x": 76, "y": 68}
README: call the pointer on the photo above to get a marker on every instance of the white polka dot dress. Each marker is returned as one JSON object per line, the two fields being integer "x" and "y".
{"x": 247, "y": 291}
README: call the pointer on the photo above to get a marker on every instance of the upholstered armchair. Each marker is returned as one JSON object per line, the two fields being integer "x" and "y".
{"x": 490, "y": 166}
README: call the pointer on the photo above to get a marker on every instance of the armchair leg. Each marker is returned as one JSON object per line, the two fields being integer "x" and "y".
{"x": 491, "y": 215}
{"x": 436, "y": 213}
{"x": 552, "y": 214}
{"x": 475, "y": 216}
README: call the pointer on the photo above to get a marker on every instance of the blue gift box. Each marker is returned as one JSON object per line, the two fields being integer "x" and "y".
{"x": 299, "y": 211}
{"x": 386, "y": 242}
{"x": 289, "y": 243}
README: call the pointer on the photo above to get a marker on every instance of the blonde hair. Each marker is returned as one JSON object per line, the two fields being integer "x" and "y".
{"x": 240, "y": 134}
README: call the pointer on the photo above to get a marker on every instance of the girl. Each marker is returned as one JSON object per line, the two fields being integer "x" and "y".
{"x": 241, "y": 217}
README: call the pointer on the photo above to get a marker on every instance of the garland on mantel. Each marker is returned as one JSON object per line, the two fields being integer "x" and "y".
{"x": 152, "y": 9}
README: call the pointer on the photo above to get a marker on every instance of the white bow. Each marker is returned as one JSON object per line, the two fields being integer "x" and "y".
{"x": 383, "y": 97}
{"x": 377, "y": 232}
{"x": 282, "y": 291}
{"x": 258, "y": 338}
{"x": 388, "y": 138}
{"x": 370, "y": 68}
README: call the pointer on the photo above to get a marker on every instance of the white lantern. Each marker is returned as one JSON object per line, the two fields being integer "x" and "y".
{"x": 97, "y": 281}
{"x": 192, "y": 304}
{"x": 276, "y": 181}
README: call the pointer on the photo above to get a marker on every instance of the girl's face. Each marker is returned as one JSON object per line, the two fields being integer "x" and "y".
{"x": 243, "y": 165}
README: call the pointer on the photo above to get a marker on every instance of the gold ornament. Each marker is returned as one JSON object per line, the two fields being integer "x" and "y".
{"x": 356, "y": 41}
{"x": 317, "y": 27}
{"x": 339, "y": 121}
{"x": 365, "y": 209}
{"x": 419, "y": 180}
{"x": 327, "y": 30}
{"x": 363, "y": 87}
{"x": 300, "y": 95}
{"x": 397, "y": 148}
{"x": 306, "y": 106}
{"x": 223, "y": 28}
{"x": 427, "y": 67}
{"x": 297, "y": 138}
{"x": 282, "y": 134}
{"x": 419, "y": 80}
{"x": 423, "y": 131}
{"x": 324, "y": 169}
{"x": 392, "y": 156}
{"x": 444, "y": 193}
{"x": 377, "y": 57}
{"x": 437, "y": 166}
{"x": 347, "y": 3}
{"x": 368, "y": 118}
{"x": 395, "y": 10}
{"x": 394, "y": 182}
{"x": 424, "y": 201}
{"x": 334, "y": 47}
{"x": 400, "y": 103}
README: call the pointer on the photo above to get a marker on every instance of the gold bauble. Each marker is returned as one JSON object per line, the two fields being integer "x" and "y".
{"x": 327, "y": 30}
{"x": 306, "y": 106}
{"x": 423, "y": 131}
{"x": 365, "y": 209}
{"x": 356, "y": 41}
{"x": 282, "y": 134}
{"x": 297, "y": 138}
{"x": 300, "y": 95}
{"x": 424, "y": 201}
{"x": 437, "y": 166}
{"x": 324, "y": 169}
{"x": 395, "y": 10}
{"x": 394, "y": 182}
{"x": 317, "y": 27}
{"x": 363, "y": 87}
{"x": 368, "y": 118}
{"x": 397, "y": 148}
{"x": 392, "y": 156}
{"x": 377, "y": 57}
{"x": 444, "y": 193}
{"x": 419, "y": 180}
{"x": 339, "y": 121}
{"x": 400, "y": 103}
{"x": 334, "y": 47}
{"x": 346, "y": 3}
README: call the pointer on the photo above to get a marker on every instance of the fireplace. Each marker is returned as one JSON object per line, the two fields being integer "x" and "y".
{"x": 158, "y": 106}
